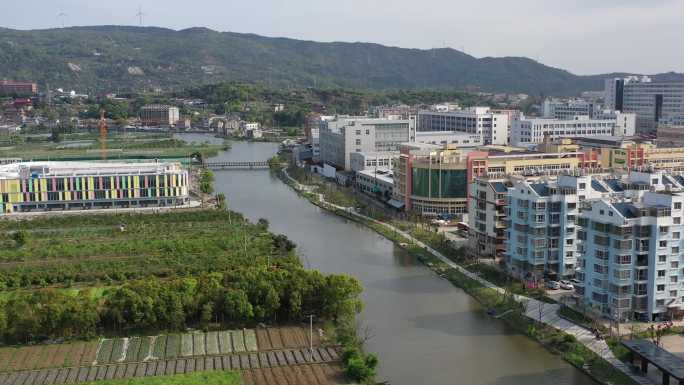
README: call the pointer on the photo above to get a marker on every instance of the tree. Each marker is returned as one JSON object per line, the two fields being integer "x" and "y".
{"x": 263, "y": 223}
{"x": 221, "y": 201}
{"x": 207, "y": 314}
{"x": 206, "y": 181}
{"x": 236, "y": 305}
{"x": 20, "y": 237}
{"x": 341, "y": 297}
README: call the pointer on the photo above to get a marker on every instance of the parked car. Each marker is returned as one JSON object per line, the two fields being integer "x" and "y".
{"x": 575, "y": 281}
{"x": 553, "y": 285}
{"x": 566, "y": 285}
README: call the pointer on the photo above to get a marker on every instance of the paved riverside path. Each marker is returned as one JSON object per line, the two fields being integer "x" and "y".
{"x": 236, "y": 362}
{"x": 549, "y": 311}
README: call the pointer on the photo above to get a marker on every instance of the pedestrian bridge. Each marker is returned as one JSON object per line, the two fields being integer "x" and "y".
{"x": 236, "y": 165}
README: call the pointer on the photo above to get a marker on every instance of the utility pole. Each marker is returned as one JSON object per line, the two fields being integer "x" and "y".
{"x": 311, "y": 334}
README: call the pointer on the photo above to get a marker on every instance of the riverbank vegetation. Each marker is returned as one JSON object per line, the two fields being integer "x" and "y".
{"x": 80, "y": 276}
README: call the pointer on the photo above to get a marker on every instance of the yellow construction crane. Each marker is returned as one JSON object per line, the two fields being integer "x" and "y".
{"x": 102, "y": 125}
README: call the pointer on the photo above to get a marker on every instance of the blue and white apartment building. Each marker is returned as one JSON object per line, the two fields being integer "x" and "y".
{"x": 618, "y": 235}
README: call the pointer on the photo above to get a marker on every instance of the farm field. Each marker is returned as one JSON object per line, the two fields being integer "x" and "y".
{"x": 120, "y": 146}
{"x": 320, "y": 374}
{"x": 205, "y": 378}
{"x": 154, "y": 348}
{"x": 296, "y": 366}
{"x": 93, "y": 251}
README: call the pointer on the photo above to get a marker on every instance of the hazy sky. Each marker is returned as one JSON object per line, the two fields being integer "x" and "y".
{"x": 583, "y": 36}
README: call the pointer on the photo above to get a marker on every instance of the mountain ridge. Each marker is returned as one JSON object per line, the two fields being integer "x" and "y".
{"x": 110, "y": 57}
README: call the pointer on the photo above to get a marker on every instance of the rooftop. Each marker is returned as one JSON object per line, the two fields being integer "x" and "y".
{"x": 499, "y": 187}
{"x": 626, "y": 209}
{"x": 55, "y": 169}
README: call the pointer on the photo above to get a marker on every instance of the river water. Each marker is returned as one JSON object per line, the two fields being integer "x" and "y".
{"x": 425, "y": 330}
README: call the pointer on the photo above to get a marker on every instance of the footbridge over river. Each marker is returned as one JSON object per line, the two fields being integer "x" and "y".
{"x": 236, "y": 165}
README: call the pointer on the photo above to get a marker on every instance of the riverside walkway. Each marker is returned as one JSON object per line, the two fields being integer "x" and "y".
{"x": 549, "y": 312}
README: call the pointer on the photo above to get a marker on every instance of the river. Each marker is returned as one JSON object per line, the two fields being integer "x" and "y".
{"x": 425, "y": 330}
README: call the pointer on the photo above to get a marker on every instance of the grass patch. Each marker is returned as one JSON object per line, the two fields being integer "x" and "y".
{"x": 138, "y": 145}
{"x": 204, "y": 378}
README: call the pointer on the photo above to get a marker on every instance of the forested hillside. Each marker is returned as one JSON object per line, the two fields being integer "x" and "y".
{"x": 111, "y": 58}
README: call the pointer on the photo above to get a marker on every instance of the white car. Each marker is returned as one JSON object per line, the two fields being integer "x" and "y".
{"x": 566, "y": 285}
{"x": 553, "y": 285}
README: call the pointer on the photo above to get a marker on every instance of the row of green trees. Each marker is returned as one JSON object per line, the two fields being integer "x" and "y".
{"x": 238, "y": 297}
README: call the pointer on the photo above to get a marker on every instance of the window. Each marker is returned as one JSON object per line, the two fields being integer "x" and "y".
{"x": 674, "y": 265}
{"x": 662, "y": 258}
{"x": 367, "y": 132}
{"x": 602, "y": 212}
{"x": 675, "y": 235}
{"x": 660, "y": 288}
{"x": 660, "y": 302}
{"x": 673, "y": 293}
{"x": 582, "y": 186}
{"x": 675, "y": 250}
{"x": 610, "y": 213}
{"x": 678, "y": 205}
{"x": 623, "y": 259}
{"x": 677, "y": 220}
{"x": 358, "y": 132}
{"x": 661, "y": 273}
{"x": 673, "y": 279}
{"x": 358, "y": 142}
{"x": 662, "y": 244}
{"x": 622, "y": 274}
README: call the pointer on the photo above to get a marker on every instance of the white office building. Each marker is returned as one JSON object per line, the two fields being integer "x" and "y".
{"x": 374, "y": 160}
{"x": 528, "y": 131}
{"x": 567, "y": 109}
{"x": 491, "y": 126}
{"x": 341, "y": 137}
{"x": 454, "y": 138}
{"x": 378, "y": 183}
{"x": 651, "y": 101}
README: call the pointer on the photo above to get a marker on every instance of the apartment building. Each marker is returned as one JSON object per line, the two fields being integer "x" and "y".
{"x": 42, "y": 186}
{"x": 651, "y": 101}
{"x": 491, "y": 126}
{"x": 341, "y": 137}
{"x": 487, "y": 219}
{"x": 159, "y": 115}
{"x": 542, "y": 223}
{"x": 631, "y": 265}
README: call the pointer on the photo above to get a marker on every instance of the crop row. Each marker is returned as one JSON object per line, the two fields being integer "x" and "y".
{"x": 176, "y": 345}
{"x": 143, "y": 349}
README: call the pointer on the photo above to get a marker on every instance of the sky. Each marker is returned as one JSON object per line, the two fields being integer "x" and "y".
{"x": 582, "y": 36}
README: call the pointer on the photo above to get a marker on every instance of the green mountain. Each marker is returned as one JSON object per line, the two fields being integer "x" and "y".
{"x": 111, "y": 58}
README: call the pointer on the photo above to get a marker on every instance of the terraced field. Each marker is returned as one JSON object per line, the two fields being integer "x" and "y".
{"x": 154, "y": 348}
{"x": 301, "y": 365}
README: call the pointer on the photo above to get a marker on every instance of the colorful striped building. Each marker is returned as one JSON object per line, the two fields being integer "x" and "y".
{"x": 41, "y": 186}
